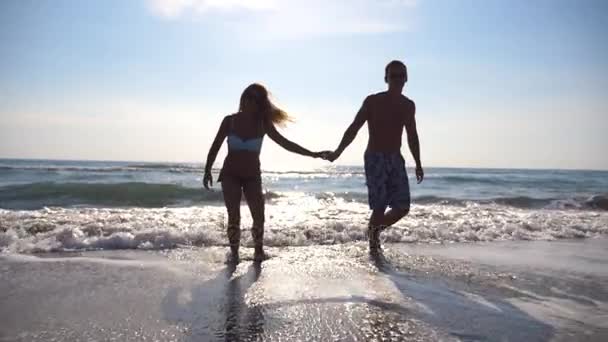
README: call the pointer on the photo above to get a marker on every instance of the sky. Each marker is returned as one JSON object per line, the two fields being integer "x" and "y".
{"x": 507, "y": 84}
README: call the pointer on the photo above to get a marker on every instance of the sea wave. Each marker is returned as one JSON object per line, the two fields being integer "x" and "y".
{"x": 64, "y": 168}
{"x": 46, "y": 194}
{"x": 498, "y": 179}
{"x": 316, "y": 223}
{"x": 596, "y": 202}
{"x": 177, "y": 168}
{"x": 173, "y": 168}
{"x": 149, "y": 195}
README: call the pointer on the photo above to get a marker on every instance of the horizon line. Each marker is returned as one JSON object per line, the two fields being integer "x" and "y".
{"x": 270, "y": 170}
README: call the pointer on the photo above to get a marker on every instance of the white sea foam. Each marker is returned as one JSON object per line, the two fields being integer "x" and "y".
{"x": 292, "y": 220}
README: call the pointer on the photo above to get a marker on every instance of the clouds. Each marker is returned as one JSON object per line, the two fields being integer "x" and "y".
{"x": 173, "y": 9}
{"x": 293, "y": 19}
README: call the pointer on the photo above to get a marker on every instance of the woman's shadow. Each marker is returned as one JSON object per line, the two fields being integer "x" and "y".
{"x": 216, "y": 309}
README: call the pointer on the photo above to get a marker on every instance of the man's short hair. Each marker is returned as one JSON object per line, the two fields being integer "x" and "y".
{"x": 394, "y": 63}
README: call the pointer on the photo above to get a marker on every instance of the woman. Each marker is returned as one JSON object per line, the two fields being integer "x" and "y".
{"x": 241, "y": 173}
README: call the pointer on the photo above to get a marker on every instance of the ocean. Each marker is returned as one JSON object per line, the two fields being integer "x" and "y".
{"x": 93, "y": 250}
{"x": 56, "y": 206}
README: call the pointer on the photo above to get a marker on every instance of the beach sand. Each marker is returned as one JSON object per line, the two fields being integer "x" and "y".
{"x": 500, "y": 291}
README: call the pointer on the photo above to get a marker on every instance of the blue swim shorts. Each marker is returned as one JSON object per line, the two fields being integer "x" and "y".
{"x": 386, "y": 178}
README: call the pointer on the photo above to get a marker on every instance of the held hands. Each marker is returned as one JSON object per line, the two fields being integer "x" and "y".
{"x": 326, "y": 155}
{"x": 331, "y": 156}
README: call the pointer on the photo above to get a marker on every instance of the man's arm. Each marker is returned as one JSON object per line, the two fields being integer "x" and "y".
{"x": 222, "y": 132}
{"x": 352, "y": 130}
{"x": 413, "y": 142}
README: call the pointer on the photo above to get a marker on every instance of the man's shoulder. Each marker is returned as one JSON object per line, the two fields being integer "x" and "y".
{"x": 376, "y": 95}
{"x": 382, "y": 95}
{"x": 409, "y": 102}
{"x": 371, "y": 97}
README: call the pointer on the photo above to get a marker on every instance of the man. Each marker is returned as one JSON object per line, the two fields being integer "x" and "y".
{"x": 386, "y": 114}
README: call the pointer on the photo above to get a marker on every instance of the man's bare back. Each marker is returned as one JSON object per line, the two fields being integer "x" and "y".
{"x": 387, "y": 115}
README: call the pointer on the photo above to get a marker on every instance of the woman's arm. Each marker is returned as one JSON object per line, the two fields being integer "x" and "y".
{"x": 286, "y": 143}
{"x": 222, "y": 132}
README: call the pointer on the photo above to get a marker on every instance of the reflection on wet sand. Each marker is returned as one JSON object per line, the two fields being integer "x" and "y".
{"x": 241, "y": 326}
{"x": 206, "y": 316}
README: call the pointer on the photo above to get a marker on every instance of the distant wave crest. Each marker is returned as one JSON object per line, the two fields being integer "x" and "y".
{"x": 39, "y": 195}
{"x": 149, "y": 195}
{"x": 596, "y": 202}
{"x": 179, "y": 168}
{"x": 174, "y": 168}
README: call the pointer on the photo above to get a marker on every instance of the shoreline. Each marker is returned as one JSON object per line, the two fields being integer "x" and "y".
{"x": 498, "y": 291}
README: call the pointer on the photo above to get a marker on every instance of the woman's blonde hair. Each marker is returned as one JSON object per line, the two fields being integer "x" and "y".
{"x": 266, "y": 109}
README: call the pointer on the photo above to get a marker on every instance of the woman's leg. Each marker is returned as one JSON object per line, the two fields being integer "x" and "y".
{"x": 255, "y": 199}
{"x": 231, "y": 188}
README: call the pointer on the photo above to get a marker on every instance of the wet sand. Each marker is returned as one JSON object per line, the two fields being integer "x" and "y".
{"x": 511, "y": 291}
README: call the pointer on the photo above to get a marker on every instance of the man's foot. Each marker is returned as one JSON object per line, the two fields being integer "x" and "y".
{"x": 373, "y": 237}
{"x": 378, "y": 259}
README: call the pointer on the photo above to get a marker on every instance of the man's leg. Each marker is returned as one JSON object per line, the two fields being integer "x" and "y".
{"x": 396, "y": 194}
{"x": 380, "y": 220}
{"x": 392, "y": 216}
{"x": 375, "y": 177}
{"x": 398, "y": 191}
{"x": 374, "y": 228}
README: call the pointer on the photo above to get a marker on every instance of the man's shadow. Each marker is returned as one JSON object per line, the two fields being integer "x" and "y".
{"x": 470, "y": 316}
{"x": 216, "y": 309}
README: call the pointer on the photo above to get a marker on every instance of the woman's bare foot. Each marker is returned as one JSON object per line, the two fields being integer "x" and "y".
{"x": 233, "y": 255}
{"x": 259, "y": 254}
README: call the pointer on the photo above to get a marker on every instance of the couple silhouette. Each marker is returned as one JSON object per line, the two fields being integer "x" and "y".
{"x": 386, "y": 113}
